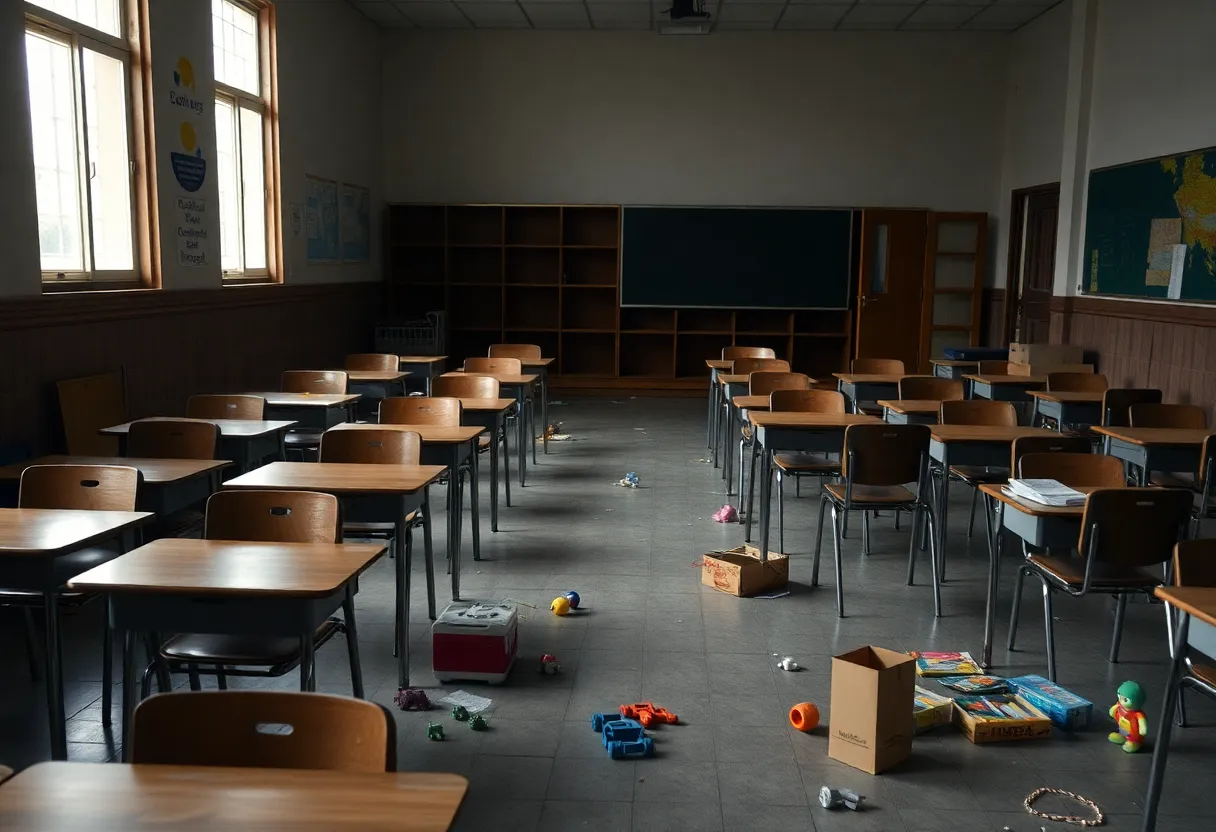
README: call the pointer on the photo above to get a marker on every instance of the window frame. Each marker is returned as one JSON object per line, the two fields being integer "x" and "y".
{"x": 264, "y": 103}
{"x": 129, "y": 52}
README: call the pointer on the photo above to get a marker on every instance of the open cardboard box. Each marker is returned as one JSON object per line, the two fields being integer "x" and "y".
{"x": 980, "y": 730}
{"x": 740, "y": 571}
{"x": 1045, "y": 354}
{"x": 872, "y": 698}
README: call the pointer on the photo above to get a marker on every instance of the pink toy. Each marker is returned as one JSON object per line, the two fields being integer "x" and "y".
{"x": 412, "y": 699}
{"x": 726, "y": 514}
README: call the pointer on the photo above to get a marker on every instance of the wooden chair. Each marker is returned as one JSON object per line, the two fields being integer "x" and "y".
{"x": 1076, "y": 383}
{"x": 1195, "y": 565}
{"x": 731, "y": 353}
{"x": 514, "y": 351}
{"x": 172, "y": 439}
{"x": 976, "y": 412}
{"x": 225, "y": 407}
{"x": 1190, "y": 416}
{"x": 878, "y": 462}
{"x": 305, "y": 441}
{"x": 1076, "y": 470}
{"x": 1124, "y": 533}
{"x": 503, "y": 365}
{"x": 992, "y": 368}
{"x": 264, "y": 516}
{"x": 747, "y": 366}
{"x": 1117, "y": 402}
{"x": 763, "y": 382}
{"x": 84, "y": 488}
{"x": 878, "y": 366}
{"x": 264, "y": 729}
{"x": 86, "y": 405}
{"x": 1200, "y": 485}
{"x": 1047, "y": 445}
{"x": 932, "y": 389}
{"x": 472, "y": 386}
{"x": 384, "y": 361}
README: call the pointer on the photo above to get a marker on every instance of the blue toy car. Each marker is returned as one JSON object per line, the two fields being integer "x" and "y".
{"x": 618, "y": 750}
{"x": 623, "y": 730}
{"x": 598, "y": 720}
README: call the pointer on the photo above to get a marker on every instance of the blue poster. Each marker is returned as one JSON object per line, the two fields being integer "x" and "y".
{"x": 321, "y": 220}
{"x": 356, "y": 220}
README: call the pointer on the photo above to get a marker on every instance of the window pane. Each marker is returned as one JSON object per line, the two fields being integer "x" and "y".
{"x": 100, "y": 14}
{"x": 230, "y": 200}
{"x": 234, "y": 32}
{"x": 105, "y": 111}
{"x": 253, "y": 186}
{"x": 56, "y": 160}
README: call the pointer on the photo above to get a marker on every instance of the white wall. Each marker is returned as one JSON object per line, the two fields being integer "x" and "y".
{"x": 833, "y": 118}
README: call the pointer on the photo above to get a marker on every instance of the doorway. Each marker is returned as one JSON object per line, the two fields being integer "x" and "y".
{"x": 892, "y": 281}
{"x": 1034, "y": 215}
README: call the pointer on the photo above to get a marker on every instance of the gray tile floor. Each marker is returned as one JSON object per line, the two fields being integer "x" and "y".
{"x": 651, "y": 631}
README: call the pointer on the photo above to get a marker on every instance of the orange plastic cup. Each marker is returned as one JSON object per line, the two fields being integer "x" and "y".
{"x": 804, "y": 716}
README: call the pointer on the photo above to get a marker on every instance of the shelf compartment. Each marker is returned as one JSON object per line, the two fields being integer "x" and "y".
{"x": 589, "y": 266}
{"x": 416, "y": 264}
{"x": 476, "y": 225}
{"x": 417, "y": 225}
{"x": 821, "y": 322}
{"x": 589, "y": 309}
{"x": 475, "y": 265}
{"x": 482, "y": 312}
{"x": 647, "y": 356}
{"x": 704, "y": 320}
{"x": 533, "y": 225}
{"x": 588, "y": 354}
{"x": 762, "y": 321}
{"x": 591, "y": 226}
{"x": 408, "y": 301}
{"x": 532, "y": 307}
{"x": 533, "y": 265}
{"x": 651, "y": 320}
{"x": 692, "y": 350}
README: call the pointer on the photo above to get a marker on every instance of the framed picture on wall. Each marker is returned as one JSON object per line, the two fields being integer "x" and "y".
{"x": 321, "y": 226}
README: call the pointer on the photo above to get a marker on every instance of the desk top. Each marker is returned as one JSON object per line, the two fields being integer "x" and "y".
{"x": 155, "y": 471}
{"x": 536, "y": 362}
{"x": 1008, "y": 381}
{"x": 733, "y": 378}
{"x": 1157, "y": 436}
{"x": 422, "y": 359}
{"x": 431, "y": 434}
{"x": 719, "y": 363}
{"x": 179, "y": 565}
{"x": 787, "y": 419}
{"x": 275, "y": 399}
{"x": 63, "y": 796}
{"x": 340, "y": 477}
{"x": 751, "y": 402}
{"x": 1198, "y": 601}
{"x": 1034, "y": 509}
{"x": 372, "y": 376}
{"x": 53, "y": 531}
{"x": 229, "y": 428}
{"x": 876, "y": 378}
{"x": 1078, "y": 397}
{"x": 946, "y": 362}
{"x": 487, "y": 404}
{"x": 503, "y": 378}
{"x": 985, "y": 433}
{"x": 913, "y": 406}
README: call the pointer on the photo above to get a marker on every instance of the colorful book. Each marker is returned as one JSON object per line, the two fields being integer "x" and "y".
{"x": 990, "y": 708}
{"x": 975, "y": 685}
{"x": 930, "y": 709}
{"x": 930, "y": 663}
{"x": 1066, "y": 709}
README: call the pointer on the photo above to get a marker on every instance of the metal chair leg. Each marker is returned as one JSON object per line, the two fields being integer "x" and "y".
{"x": 221, "y": 678}
{"x": 1049, "y": 622}
{"x": 823, "y": 504}
{"x": 742, "y": 445}
{"x": 352, "y": 645}
{"x": 912, "y": 541}
{"x": 933, "y": 553}
{"x": 474, "y": 487}
{"x": 797, "y": 486}
{"x": 839, "y": 569}
{"x": 428, "y": 557}
{"x": 1017, "y": 607}
{"x": 751, "y": 493}
{"x": 195, "y": 683}
{"x": 107, "y": 665}
{"x": 897, "y": 521}
{"x": 865, "y": 534}
{"x": 780, "y": 512}
{"x": 1181, "y": 716}
{"x": 506, "y": 465}
{"x": 975, "y": 494}
{"x": 31, "y": 644}
{"x": 1117, "y": 636}
{"x": 145, "y": 681}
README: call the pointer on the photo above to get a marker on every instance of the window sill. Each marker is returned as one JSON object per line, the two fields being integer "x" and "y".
{"x": 65, "y": 287}
{"x": 250, "y": 281}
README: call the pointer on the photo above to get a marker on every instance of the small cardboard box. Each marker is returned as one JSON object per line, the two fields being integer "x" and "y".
{"x": 1046, "y": 354}
{"x": 930, "y": 710}
{"x": 1042, "y": 369}
{"x": 1063, "y": 707}
{"x": 980, "y": 730}
{"x": 740, "y": 571}
{"x": 872, "y": 696}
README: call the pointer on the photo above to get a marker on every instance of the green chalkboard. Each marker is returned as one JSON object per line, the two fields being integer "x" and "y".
{"x": 1137, "y": 212}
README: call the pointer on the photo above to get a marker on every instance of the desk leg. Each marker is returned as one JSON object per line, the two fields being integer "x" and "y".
{"x": 1169, "y": 704}
{"x": 403, "y": 604}
{"x": 709, "y": 419}
{"x": 766, "y": 493}
{"x": 943, "y": 509}
{"x": 716, "y": 427}
{"x": 544, "y": 408}
{"x": 751, "y": 488}
{"x": 428, "y": 553}
{"x": 308, "y": 666}
{"x": 474, "y": 502}
{"x": 521, "y": 438}
{"x": 728, "y": 467}
{"x": 54, "y": 677}
{"x": 994, "y": 576}
{"x": 352, "y": 641}
{"x": 455, "y": 507}
{"x": 506, "y": 459}
{"x": 493, "y": 477}
{"x": 128, "y": 690}
{"x": 532, "y": 424}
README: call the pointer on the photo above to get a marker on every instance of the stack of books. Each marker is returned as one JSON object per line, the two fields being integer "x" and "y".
{"x": 1045, "y": 492}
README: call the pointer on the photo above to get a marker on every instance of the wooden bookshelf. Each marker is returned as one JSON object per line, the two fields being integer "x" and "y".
{"x": 549, "y": 275}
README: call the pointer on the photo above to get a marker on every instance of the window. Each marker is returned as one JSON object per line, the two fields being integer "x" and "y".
{"x": 248, "y": 216}
{"x": 80, "y": 114}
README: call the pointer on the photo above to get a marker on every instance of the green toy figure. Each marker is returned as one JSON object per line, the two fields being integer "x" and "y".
{"x": 477, "y": 722}
{"x": 434, "y": 732}
{"x": 1129, "y": 717}
{"x": 460, "y": 713}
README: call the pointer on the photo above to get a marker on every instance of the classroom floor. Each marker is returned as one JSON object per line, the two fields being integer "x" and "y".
{"x": 650, "y": 631}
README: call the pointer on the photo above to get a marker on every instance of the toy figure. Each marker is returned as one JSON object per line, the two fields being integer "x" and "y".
{"x": 460, "y": 713}
{"x": 412, "y": 699}
{"x": 477, "y": 722}
{"x": 434, "y": 732}
{"x": 1129, "y": 717}
{"x": 549, "y": 665}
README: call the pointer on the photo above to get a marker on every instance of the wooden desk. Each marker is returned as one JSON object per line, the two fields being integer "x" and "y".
{"x": 541, "y": 366}
{"x": 245, "y": 440}
{"x": 374, "y": 376}
{"x": 1004, "y": 388}
{"x": 739, "y": 405}
{"x": 910, "y": 411}
{"x": 31, "y": 541}
{"x": 1196, "y": 630}
{"x": 424, "y": 367}
{"x": 869, "y": 387}
{"x": 378, "y": 493}
{"x": 751, "y": 402}
{"x": 489, "y": 414}
{"x": 719, "y": 363}
{"x": 783, "y": 431}
{"x": 716, "y": 366}
{"x": 1156, "y": 449}
{"x": 1067, "y": 408}
{"x": 113, "y": 796}
{"x": 169, "y": 484}
{"x": 312, "y": 410}
{"x": 521, "y": 384}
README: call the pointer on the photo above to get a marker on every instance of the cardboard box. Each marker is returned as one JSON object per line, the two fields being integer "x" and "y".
{"x": 1063, "y": 707}
{"x": 1046, "y": 354}
{"x": 740, "y": 571}
{"x": 982, "y": 730}
{"x": 1041, "y": 369}
{"x": 930, "y": 710}
{"x": 872, "y": 696}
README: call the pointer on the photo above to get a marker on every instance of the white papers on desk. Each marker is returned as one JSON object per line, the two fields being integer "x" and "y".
{"x": 1046, "y": 492}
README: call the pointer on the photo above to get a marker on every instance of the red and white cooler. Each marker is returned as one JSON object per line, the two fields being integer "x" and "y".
{"x": 475, "y": 640}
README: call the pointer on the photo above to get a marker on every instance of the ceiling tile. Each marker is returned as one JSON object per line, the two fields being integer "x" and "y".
{"x": 495, "y": 15}
{"x": 889, "y": 2}
{"x": 812, "y": 17}
{"x": 735, "y": 12}
{"x": 972, "y": 3}
{"x": 1006, "y": 17}
{"x": 434, "y": 15}
{"x": 742, "y": 26}
{"x": 876, "y": 16}
{"x": 382, "y": 12}
{"x": 550, "y": 15}
{"x": 620, "y": 15}
{"x": 940, "y": 16}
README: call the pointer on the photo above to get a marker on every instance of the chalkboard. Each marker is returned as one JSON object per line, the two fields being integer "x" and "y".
{"x": 736, "y": 258}
{"x": 1137, "y": 213}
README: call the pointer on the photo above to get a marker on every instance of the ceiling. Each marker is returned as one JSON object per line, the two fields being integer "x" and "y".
{"x": 756, "y": 15}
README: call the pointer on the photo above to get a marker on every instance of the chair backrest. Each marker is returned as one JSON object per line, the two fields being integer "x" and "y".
{"x": 1076, "y": 383}
{"x": 1083, "y": 470}
{"x": 212, "y": 406}
{"x": 273, "y": 517}
{"x": 514, "y": 351}
{"x": 87, "y": 487}
{"x": 1195, "y": 562}
{"x": 466, "y": 386}
{"x": 314, "y": 381}
{"x": 373, "y": 361}
{"x": 731, "y": 353}
{"x": 884, "y": 454}
{"x": 389, "y": 447}
{"x": 421, "y": 410}
{"x": 878, "y": 366}
{"x": 1117, "y": 402}
{"x": 978, "y": 412}
{"x": 1168, "y": 416}
{"x": 1058, "y": 444}
{"x": 172, "y": 439}
{"x": 747, "y": 366}
{"x": 763, "y": 383}
{"x": 264, "y": 729}
{"x": 806, "y": 401}
{"x": 934, "y": 389}
{"x": 86, "y": 405}
{"x": 1135, "y": 527}
{"x": 992, "y": 368}
{"x": 508, "y": 366}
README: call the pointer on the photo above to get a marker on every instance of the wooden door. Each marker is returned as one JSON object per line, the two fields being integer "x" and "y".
{"x": 1036, "y": 267}
{"x": 892, "y": 281}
